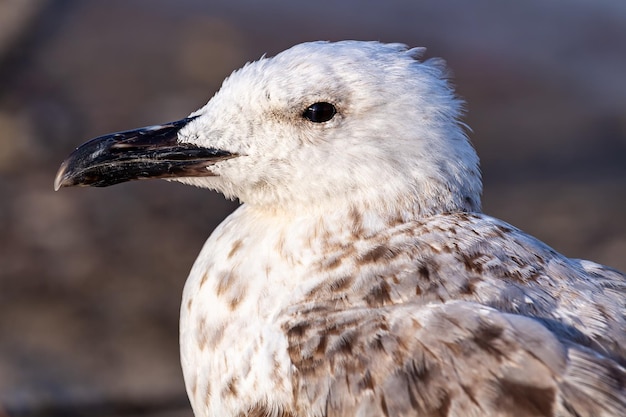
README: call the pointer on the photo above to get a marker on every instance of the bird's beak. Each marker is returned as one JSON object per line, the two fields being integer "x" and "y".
{"x": 149, "y": 152}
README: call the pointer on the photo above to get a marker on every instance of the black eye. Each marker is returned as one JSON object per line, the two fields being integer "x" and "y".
{"x": 320, "y": 112}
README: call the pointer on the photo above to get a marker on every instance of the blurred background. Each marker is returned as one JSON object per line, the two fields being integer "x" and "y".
{"x": 91, "y": 279}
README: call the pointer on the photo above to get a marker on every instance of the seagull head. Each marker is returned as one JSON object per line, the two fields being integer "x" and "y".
{"x": 318, "y": 125}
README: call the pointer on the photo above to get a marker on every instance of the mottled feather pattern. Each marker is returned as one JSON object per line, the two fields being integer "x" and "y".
{"x": 347, "y": 354}
{"x": 473, "y": 257}
{"x": 455, "y": 314}
{"x": 359, "y": 277}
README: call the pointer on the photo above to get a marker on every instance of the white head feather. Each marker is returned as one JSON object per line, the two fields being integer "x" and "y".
{"x": 395, "y": 139}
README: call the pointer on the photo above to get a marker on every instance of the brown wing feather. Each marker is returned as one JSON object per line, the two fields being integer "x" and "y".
{"x": 460, "y": 314}
{"x": 452, "y": 359}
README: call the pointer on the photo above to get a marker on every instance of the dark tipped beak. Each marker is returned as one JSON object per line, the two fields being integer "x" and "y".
{"x": 149, "y": 152}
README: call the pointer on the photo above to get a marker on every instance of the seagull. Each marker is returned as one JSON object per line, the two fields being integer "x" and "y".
{"x": 359, "y": 277}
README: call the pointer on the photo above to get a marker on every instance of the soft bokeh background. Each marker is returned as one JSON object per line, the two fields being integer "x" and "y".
{"x": 90, "y": 279}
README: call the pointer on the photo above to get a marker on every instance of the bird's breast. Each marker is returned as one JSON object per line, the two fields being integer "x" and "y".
{"x": 249, "y": 279}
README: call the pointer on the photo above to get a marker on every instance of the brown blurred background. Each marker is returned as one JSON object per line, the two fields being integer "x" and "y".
{"x": 91, "y": 279}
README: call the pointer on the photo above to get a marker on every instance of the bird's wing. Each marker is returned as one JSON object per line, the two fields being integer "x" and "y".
{"x": 459, "y": 315}
{"x": 476, "y": 258}
{"x": 454, "y": 359}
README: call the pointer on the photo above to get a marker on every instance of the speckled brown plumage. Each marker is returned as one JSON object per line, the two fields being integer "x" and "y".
{"x": 359, "y": 277}
{"x": 467, "y": 317}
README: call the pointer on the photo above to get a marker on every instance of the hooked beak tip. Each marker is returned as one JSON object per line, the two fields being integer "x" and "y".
{"x": 61, "y": 180}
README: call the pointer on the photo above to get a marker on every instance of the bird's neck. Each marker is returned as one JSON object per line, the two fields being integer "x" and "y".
{"x": 350, "y": 222}
{"x": 260, "y": 251}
